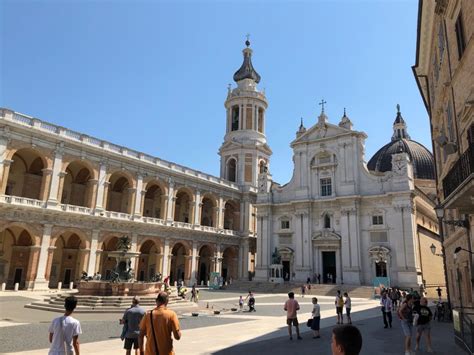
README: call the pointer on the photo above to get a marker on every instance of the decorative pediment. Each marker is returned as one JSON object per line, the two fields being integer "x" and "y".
{"x": 319, "y": 131}
{"x": 326, "y": 237}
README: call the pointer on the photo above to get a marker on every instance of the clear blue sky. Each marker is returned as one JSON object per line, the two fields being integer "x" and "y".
{"x": 152, "y": 75}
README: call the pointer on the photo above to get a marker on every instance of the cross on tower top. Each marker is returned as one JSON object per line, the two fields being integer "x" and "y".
{"x": 322, "y": 105}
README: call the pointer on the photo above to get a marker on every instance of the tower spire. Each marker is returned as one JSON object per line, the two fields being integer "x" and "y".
{"x": 399, "y": 127}
{"x": 247, "y": 71}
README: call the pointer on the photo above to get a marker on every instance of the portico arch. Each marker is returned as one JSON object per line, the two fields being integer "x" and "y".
{"x": 154, "y": 205}
{"x": 107, "y": 264}
{"x": 68, "y": 259}
{"x": 230, "y": 263}
{"x": 77, "y": 189}
{"x": 206, "y": 255}
{"x": 180, "y": 262}
{"x": 209, "y": 211}
{"x": 183, "y": 211}
{"x": 120, "y": 196}
{"x": 232, "y": 215}
{"x": 149, "y": 260}
{"x": 26, "y": 175}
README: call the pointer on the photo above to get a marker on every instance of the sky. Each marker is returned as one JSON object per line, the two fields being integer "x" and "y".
{"x": 153, "y": 75}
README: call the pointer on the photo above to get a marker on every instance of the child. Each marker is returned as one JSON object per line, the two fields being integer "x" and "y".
{"x": 347, "y": 304}
{"x": 316, "y": 313}
{"x": 241, "y": 303}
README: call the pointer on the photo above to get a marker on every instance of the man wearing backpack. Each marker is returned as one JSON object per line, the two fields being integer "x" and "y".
{"x": 64, "y": 331}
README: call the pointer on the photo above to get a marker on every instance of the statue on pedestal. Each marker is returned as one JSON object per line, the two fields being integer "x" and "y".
{"x": 276, "y": 257}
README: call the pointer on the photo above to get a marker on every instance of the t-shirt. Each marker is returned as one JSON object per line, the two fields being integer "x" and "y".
{"x": 347, "y": 302}
{"x": 132, "y": 318}
{"x": 291, "y": 306}
{"x": 339, "y": 301}
{"x": 386, "y": 303}
{"x": 316, "y": 310}
{"x": 424, "y": 314}
{"x": 165, "y": 322}
{"x": 64, "y": 328}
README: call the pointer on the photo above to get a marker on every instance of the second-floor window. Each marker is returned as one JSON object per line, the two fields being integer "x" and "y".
{"x": 377, "y": 220}
{"x": 326, "y": 187}
{"x": 285, "y": 224}
{"x": 460, "y": 39}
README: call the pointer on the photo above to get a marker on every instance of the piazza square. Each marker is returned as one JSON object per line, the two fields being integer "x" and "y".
{"x": 369, "y": 236}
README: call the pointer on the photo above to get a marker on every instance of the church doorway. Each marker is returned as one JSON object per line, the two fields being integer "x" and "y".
{"x": 286, "y": 270}
{"x": 329, "y": 266}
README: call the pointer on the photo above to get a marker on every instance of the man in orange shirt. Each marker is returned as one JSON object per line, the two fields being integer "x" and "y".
{"x": 157, "y": 325}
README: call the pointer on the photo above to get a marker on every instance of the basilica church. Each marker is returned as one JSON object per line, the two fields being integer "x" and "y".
{"x": 66, "y": 198}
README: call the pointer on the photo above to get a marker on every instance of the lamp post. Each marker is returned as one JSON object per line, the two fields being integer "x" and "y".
{"x": 440, "y": 214}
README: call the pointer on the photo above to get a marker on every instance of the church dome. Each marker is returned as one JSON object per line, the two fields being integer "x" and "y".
{"x": 420, "y": 157}
{"x": 247, "y": 71}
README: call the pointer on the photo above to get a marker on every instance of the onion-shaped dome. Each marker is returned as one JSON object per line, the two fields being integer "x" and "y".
{"x": 420, "y": 157}
{"x": 247, "y": 71}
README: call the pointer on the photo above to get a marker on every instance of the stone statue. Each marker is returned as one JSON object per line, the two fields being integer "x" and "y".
{"x": 276, "y": 257}
{"x": 124, "y": 243}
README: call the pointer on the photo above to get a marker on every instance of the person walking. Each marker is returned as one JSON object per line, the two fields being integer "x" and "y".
{"x": 291, "y": 307}
{"x": 319, "y": 278}
{"x": 241, "y": 303}
{"x": 316, "y": 314}
{"x": 303, "y": 290}
{"x": 386, "y": 304}
{"x": 405, "y": 313}
{"x": 64, "y": 331}
{"x": 348, "y": 305}
{"x": 346, "y": 340}
{"x": 131, "y": 320}
{"x": 251, "y": 301}
{"x": 158, "y": 325}
{"x": 423, "y": 325}
{"x": 339, "y": 302}
{"x": 193, "y": 294}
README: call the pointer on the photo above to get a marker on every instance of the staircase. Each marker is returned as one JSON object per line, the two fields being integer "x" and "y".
{"x": 355, "y": 291}
{"x": 105, "y": 304}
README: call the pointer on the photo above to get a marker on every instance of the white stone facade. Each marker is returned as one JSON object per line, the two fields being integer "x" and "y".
{"x": 335, "y": 217}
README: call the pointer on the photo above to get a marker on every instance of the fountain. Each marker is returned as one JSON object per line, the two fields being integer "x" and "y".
{"x": 122, "y": 281}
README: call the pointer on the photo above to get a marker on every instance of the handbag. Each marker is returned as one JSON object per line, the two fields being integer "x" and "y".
{"x": 309, "y": 322}
{"x": 153, "y": 333}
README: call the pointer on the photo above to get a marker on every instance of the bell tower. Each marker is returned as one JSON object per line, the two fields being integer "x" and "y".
{"x": 244, "y": 152}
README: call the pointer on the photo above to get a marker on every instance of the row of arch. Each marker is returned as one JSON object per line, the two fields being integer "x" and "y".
{"x": 69, "y": 253}
{"x": 78, "y": 186}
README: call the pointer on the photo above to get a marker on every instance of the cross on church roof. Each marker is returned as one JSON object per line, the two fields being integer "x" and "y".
{"x": 322, "y": 105}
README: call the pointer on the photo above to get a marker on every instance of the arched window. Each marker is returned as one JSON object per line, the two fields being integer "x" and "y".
{"x": 231, "y": 170}
{"x": 327, "y": 221}
{"x": 262, "y": 167}
{"x": 235, "y": 118}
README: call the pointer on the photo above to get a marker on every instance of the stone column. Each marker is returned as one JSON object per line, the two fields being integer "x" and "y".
{"x": 220, "y": 215}
{"x": 45, "y": 182}
{"x": 98, "y": 257}
{"x": 40, "y": 282}
{"x": 4, "y": 173}
{"x": 164, "y": 207}
{"x": 91, "y": 268}
{"x": 193, "y": 263}
{"x": 137, "y": 211}
{"x": 91, "y": 195}
{"x": 215, "y": 217}
{"x": 55, "y": 177}
{"x": 3, "y": 162}
{"x": 197, "y": 208}
{"x": 62, "y": 175}
{"x": 263, "y": 247}
{"x": 101, "y": 202}
{"x": 188, "y": 260}
{"x": 131, "y": 192}
{"x": 170, "y": 206}
{"x": 133, "y": 248}
{"x": 166, "y": 254}
{"x": 218, "y": 258}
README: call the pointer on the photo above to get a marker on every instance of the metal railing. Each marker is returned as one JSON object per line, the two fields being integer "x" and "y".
{"x": 463, "y": 321}
{"x": 460, "y": 171}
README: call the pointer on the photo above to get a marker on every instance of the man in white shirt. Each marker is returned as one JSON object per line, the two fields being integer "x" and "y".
{"x": 64, "y": 331}
{"x": 386, "y": 304}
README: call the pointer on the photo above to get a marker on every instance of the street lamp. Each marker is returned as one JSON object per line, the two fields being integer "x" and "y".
{"x": 458, "y": 249}
{"x": 433, "y": 250}
{"x": 440, "y": 214}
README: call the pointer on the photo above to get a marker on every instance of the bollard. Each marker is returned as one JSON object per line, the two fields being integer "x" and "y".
{"x": 202, "y": 282}
{"x": 17, "y": 286}
{"x": 207, "y": 283}
{"x": 4, "y": 286}
{"x": 175, "y": 283}
{"x": 60, "y": 285}
{"x": 71, "y": 285}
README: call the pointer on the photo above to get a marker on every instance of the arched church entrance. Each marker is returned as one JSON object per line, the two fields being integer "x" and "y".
{"x": 230, "y": 264}
{"x": 205, "y": 263}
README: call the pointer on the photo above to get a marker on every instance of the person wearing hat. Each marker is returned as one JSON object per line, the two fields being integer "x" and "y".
{"x": 131, "y": 326}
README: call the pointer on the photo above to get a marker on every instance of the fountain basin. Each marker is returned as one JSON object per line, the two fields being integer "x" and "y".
{"x": 105, "y": 288}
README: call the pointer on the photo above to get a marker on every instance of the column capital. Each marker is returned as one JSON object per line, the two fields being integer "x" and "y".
{"x": 47, "y": 171}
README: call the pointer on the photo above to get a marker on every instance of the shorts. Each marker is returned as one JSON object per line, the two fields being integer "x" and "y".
{"x": 129, "y": 342}
{"x": 291, "y": 321}
{"x": 339, "y": 310}
{"x": 348, "y": 312}
{"x": 420, "y": 328}
{"x": 315, "y": 323}
{"x": 407, "y": 328}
